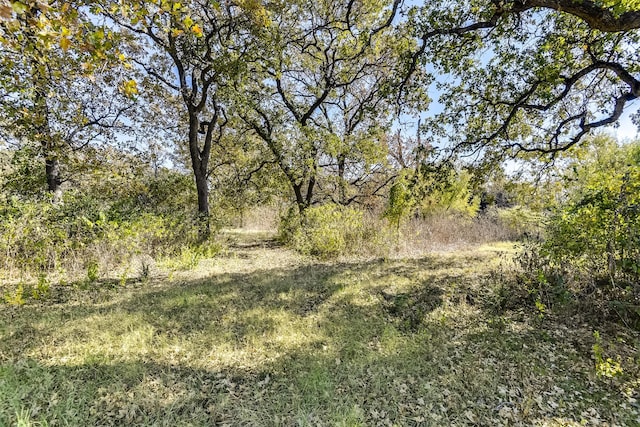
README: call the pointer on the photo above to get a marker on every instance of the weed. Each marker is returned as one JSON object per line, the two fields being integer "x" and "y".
{"x": 43, "y": 287}
{"x": 541, "y": 308}
{"x": 16, "y": 297}
{"x": 145, "y": 270}
{"x": 23, "y": 418}
{"x": 604, "y": 367}
{"x": 92, "y": 272}
{"x": 123, "y": 277}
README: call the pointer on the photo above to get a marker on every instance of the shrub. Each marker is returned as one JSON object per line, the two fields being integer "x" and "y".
{"x": 598, "y": 228}
{"x": 591, "y": 252}
{"x": 37, "y": 236}
{"x": 521, "y": 221}
{"x": 329, "y": 231}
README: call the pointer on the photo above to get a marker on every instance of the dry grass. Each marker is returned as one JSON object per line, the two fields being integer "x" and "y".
{"x": 445, "y": 233}
{"x": 263, "y": 336}
{"x": 260, "y": 218}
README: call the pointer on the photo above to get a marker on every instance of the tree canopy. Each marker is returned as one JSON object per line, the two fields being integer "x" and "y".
{"x": 529, "y": 76}
{"x": 315, "y": 89}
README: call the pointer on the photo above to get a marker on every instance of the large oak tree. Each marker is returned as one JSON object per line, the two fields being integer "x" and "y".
{"x": 529, "y": 75}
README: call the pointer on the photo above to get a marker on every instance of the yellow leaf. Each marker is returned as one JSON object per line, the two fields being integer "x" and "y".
{"x": 129, "y": 88}
{"x": 65, "y": 43}
{"x": 197, "y": 30}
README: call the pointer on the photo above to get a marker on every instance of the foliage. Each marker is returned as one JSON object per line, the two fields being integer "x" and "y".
{"x": 454, "y": 196}
{"x": 597, "y": 228}
{"x": 586, "y": 250}
{"x": 325, "y": 96}
{"x": 522, "y": 221}
{"x": 195, "y": 55}
{"x": 61, "y": 81}
{"x": 328, "y": 231}
{"x": 401, "y": 201}
{"x": 16, "y": 297}
{"x": 431, "y": 190}
{"x": 604, "y": 367}
{"x": 556, "y": 71}
{"x": 187, "y": 256}
{"x": 117, "y": 211}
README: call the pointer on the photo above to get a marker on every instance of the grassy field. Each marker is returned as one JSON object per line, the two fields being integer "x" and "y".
{"x": 262, "y": 336}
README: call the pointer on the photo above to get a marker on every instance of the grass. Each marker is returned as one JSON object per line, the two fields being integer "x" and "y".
{"x": 262, "y": 336}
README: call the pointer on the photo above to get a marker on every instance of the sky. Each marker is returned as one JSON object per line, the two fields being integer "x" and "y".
{"x": 626, "y": 129}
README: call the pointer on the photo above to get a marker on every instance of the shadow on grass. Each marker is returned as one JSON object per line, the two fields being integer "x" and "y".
{"x": 193, "y": 306}
{"x": 313, "y": 345}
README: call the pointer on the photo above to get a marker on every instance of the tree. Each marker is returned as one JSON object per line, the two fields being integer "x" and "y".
{"x": 59, "y": 83}
{"x": 354, "y": 127}
{"x": 319, "y": 85}
{"x": 529, "y": 76}
{"x": 193, "y": 50}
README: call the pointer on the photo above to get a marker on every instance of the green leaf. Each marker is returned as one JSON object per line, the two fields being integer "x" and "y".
{"x": 19, "y": 7}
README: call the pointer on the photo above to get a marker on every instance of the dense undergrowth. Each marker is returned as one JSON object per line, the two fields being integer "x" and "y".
{"x": 108, "y": 226}
{"x": 588, "y": 260}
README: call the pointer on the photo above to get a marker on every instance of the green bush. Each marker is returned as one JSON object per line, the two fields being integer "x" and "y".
{"x": 598, "y": 228}
{"x": 38, "y": 236}
{"x": 521, "y": 221}
{"x": 328, "y": 231}
{"x": 591, "y": 252}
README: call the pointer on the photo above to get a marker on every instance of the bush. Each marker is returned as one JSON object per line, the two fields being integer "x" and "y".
{"x": 520, "y": 221}
{"x": 598, "y": 228}
{"x": 38, "y": 236}
{"x": 591, "y": 253}
{"x": 329, "y": 231}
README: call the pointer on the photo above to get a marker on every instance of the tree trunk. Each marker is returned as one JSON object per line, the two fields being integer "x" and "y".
{"x": 42, "y": 130}
{"x": 199, "y": 164}
{"x": 297, "y": 190}
{"x": 203, "y": 204}
{"x": 52, "y": 170}
{"x": 342, "y": 183}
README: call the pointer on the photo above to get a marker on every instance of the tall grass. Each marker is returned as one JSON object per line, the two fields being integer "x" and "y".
{"x": 331, "y": 231}
{"x": 442, "y": 232}
{"x": 37, "y": 237}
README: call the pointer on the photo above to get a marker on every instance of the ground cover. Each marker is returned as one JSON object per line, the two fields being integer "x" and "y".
{"x": 262, "y": 336}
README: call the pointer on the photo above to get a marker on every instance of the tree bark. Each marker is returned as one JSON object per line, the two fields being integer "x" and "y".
{"x": 597, "y": 16}
{"x": 199, "y": 163}
{"x": 342, "y": 183}
{"x": 300, "y": 200}
{"x": 52, "y": 169}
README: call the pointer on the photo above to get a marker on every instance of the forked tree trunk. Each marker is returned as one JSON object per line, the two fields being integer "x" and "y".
{"x": 199, "y": 163}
